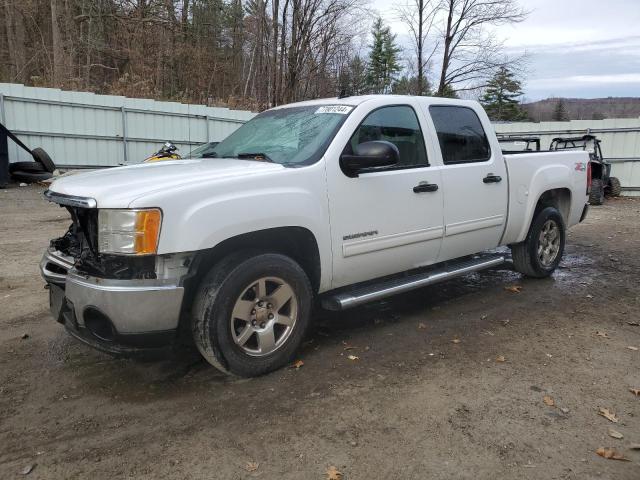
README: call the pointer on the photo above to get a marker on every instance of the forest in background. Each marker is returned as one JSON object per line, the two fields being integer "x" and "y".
{"x": 251, "y": 53}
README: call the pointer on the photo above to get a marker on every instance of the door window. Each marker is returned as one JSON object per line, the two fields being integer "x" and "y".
{"x": 398, "y": 125}
{"x": 460, "y": 134}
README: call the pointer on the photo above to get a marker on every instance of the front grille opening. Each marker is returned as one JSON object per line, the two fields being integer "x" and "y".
{"x": 54, "y": 268}
{"x": 99, "y": 324}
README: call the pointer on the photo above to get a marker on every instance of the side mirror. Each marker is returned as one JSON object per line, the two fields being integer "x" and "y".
{"x": 369, "y": 156}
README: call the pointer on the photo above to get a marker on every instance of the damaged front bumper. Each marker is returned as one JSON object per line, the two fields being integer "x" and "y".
{"x": 115, "y": 315}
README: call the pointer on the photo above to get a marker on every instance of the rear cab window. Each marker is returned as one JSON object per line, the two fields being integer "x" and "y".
{"x": 461, "y": 136}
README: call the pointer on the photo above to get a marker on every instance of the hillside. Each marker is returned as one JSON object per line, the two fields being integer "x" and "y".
{"x": 586, "y": 108}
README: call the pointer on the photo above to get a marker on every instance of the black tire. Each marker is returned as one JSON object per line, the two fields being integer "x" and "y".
{"x": 525, "y": 255}
{"x": 42, "y": 157}
{"x": 596, "y": 196}
{"x": 30, "y": 177}
{"x": 217, "y": 296}
{"x": 615, "y": 189}
{"x": 30, "y": 167}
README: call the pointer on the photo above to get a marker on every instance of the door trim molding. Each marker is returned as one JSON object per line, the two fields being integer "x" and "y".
{"x": 359, "y": 247}
{"x": 475, "y": 224}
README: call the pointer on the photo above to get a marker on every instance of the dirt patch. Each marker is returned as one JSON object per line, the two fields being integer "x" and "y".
{"x": 415, "y": 404}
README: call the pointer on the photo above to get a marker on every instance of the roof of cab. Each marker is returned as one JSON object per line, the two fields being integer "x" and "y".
{"x": 359, "y": 99}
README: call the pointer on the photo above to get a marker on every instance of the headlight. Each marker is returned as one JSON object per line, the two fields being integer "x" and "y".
{"x": 129, "y": 232}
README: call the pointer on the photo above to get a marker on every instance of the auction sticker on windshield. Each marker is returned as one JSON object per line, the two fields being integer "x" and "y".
{"x": 341, "y": 109}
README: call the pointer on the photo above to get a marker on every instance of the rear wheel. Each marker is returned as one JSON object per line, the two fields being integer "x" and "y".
{"x": 596, "y": 196}
{"x": 539, "y": 255}
{"x": 615, "y": 189}
{"x": 251, "y": 313}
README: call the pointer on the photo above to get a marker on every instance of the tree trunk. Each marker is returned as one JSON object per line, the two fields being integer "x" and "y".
{"x": 275, "y": 7}
{"x": 59, "y": 62}
{"x": 447, "y": 50}
{"x": 420, "y": 41}
{"x": 14, "y": 24}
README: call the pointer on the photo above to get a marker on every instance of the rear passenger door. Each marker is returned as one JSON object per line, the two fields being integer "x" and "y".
{"x": 474, "y": 182}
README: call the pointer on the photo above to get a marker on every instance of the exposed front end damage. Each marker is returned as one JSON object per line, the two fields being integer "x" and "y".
{"x": 116, "y": 303}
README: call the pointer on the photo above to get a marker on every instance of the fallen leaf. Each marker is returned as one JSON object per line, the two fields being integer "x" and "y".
{"x": 615, "y": 434}
{"x": 589, "y": 296}
{"x": 297, "y": 364}
{"x": 602, "y": 334}
{"x": 500, "y": 358}
{"x": 333, "y": 473}
{"x": 635, "y": 349}
{"x": 28, "y": 469}
{"x": 549, "y": 401}
{"x": 608, "y": 415}
{"x": 456, "y": 340}
{"x": 251, "y": 466}
{"x": 611, "y": 454}
{"x": 353, "y": 357}
{"x": 635, "y": 391}
{"x": 422, "y": 326}
{"x": 513, "y": 289}
{"x": 634, "y": 324}
{"x": 634, "y": 446}
{"x": 25, "y": 336}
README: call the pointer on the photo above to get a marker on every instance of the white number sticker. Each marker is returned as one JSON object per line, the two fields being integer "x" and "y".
{"x": 341, "y": 109}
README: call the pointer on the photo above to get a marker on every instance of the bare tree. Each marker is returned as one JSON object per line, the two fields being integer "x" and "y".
{"x": 242, "y": 53}
{"x": 470, "y": 54}
{"x": 419, "y": 17}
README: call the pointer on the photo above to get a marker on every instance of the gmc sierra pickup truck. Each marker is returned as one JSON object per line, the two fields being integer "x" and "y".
{"x": 340, "y": 201}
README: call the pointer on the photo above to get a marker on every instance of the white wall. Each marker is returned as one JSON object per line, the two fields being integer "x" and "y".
{"x": 620, "y": 142}
{"x": 89, "y": 130}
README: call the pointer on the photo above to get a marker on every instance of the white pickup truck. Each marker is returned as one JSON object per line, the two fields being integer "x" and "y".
{"x": 342, "y": 200}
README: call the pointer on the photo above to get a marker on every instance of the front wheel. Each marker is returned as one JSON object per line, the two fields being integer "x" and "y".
{"x": 251, "y": 313}
{"x": 539, "y": 255}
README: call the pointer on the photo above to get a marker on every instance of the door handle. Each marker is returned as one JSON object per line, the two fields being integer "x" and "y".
{"x": 425, "y": 187}
{"x": 491, "y": 178}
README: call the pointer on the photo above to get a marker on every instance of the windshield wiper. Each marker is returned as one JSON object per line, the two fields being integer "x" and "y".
{"x": 255, "y": 156}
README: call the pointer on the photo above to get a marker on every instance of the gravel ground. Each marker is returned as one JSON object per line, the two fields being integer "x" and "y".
{"x": 427, "y": 398}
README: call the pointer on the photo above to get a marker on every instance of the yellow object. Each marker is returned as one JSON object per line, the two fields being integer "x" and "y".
{"x": 147, "y": 231}
{"x": 159, "y": 158}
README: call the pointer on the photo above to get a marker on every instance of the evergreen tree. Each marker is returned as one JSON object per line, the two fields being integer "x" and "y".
{"x": 500, "y": 99}
{"x": 357, "y": 76}
{"x": 560, "y": 113}
{"x": 447, "y": 92}
{"x": 406, "y": 85}
{"x": 383, "y": 59}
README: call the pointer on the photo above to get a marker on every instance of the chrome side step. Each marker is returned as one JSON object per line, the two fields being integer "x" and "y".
{"x": 385, "y": 288}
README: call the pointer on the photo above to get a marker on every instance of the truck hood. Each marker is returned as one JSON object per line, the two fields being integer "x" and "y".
{"x": 118, "y": 187}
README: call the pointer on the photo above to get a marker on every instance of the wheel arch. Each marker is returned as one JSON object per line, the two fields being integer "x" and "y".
{"x": 559, "y": 198}
{"x": 298, "y": 243}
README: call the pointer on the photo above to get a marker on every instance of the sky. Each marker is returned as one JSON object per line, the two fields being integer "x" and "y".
{"x": 574, "y": 48}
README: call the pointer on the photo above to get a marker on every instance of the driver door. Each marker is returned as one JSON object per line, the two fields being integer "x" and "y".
{"x": 384, "y": 222}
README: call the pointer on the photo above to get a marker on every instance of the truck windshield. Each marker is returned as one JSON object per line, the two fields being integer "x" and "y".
{"x": 289, "y": 136}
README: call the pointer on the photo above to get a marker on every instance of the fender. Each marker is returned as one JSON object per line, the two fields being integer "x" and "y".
{"x": 529, "y": 181}
{"x": 202, "y": 215}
